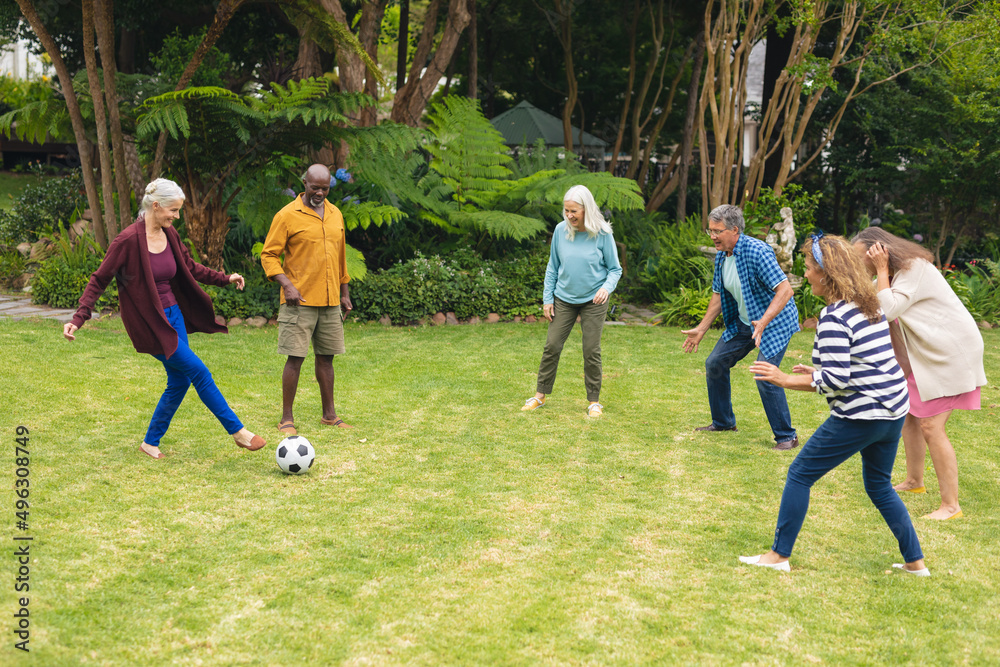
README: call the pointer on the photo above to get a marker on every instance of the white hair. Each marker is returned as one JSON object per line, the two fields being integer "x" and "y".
{"x": 162, "y": 191}
{"x": 593, "y": 219}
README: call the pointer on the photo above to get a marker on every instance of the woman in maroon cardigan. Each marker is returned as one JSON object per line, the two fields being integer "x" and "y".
{"x": 160, "y": 302}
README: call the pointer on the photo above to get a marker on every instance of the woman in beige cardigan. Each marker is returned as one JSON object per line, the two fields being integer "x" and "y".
{"x": 940, "y": 349}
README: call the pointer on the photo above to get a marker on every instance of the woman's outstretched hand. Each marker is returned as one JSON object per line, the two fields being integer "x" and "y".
{"x": 237, "y": 279}
{"x": 68, "y": 330}
{"x": 765, "y": 372}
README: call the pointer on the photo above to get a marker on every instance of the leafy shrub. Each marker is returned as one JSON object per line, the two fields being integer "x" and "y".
{"x": 464, "y": 284}
{"x": 12, "y": 266}
{"x": 16, "y": 93}
{"x": 686, "y": 306}
{"x": 663, "y": 255}
{"x": 42, "y": 204}
{"x": 807, "y": 303}
{"x": 979, "y": 291}
{"x": 60, "y": 284}
{"x": 259, "y": 298}
{"x": 61, "y": 279}
{"x": 761, "y": 214}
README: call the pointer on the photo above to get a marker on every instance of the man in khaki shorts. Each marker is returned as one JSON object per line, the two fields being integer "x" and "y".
{"x": 309, "y": 232}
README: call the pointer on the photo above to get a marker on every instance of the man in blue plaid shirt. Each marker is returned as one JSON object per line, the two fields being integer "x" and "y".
{"x": 755, "y": 299}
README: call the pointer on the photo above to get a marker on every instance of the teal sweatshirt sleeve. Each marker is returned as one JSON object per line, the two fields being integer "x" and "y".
{"x": 552, "y": 269}
{"x": 610, "y": 252}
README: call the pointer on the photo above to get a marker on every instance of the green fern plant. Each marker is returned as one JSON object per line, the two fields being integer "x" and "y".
{"x": 222, "y": 143}
{"x": 37, "y": 122}
{"x": 470, "y": 186}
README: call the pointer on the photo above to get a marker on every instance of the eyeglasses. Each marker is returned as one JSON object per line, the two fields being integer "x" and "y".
{"x": 715, "y": 233}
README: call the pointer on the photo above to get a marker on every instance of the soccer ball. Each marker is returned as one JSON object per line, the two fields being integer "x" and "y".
{"x": 295, "y": 455}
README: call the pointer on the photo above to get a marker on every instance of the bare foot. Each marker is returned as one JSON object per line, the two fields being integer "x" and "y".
{"x": 908, "y": 485}
{"x": 945, "y": 512}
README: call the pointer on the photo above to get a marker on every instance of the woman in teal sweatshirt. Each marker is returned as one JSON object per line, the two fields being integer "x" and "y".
{"x": 582, "y": 273}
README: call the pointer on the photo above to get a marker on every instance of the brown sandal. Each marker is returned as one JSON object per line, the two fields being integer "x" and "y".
{"x": 288, "y": 427}
{"x": 256, "y": 443}
{"x": 159, "y": 454}
{"x": 336, "y": 422}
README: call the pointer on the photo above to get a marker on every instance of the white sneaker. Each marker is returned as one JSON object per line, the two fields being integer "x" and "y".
{"x": 920, "y": 573}
{"x": 755, "y": 560}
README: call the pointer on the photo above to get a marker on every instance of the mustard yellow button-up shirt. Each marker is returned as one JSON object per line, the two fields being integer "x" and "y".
{"x": 315, "y": 252}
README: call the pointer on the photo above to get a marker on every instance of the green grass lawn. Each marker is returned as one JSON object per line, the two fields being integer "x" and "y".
{"x": 448, "y": 527}
{"x": 11, "y": 185}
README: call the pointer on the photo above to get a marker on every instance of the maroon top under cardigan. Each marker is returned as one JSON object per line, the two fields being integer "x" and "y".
{"x": 127, "y": 260}
{"x": 164, "y": 268}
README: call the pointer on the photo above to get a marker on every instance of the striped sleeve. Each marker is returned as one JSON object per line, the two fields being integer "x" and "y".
{"x": 856, "y": 367}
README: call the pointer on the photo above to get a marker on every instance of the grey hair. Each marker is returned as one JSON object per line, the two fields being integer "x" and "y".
{"x": 593, "y": 220}
{"x": 729, "y": 215}
{"x": 162, "y": 191}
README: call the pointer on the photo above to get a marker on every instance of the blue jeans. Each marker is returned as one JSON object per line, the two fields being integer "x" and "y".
{"x": 724, "y": 356}
{"x": 835, "y": 441}
{"x": 184, "y": 368}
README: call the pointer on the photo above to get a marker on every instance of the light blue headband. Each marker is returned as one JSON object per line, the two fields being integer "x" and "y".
{"x": 816, "y": 250}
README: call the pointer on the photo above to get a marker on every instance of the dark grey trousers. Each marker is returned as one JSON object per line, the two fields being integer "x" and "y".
{"x": 592, "y": 318}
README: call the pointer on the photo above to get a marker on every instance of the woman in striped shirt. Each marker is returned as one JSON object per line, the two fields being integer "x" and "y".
{"x": 855, "y": 369}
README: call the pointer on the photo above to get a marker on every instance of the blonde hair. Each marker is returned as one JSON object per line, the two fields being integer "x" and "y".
{"x": 593, "y": 219}
{"x": 162, "y": 191}
{"x": 845, "y": 276}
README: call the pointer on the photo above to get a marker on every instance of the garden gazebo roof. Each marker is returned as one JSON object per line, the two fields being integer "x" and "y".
{"x": 526, "y": 124}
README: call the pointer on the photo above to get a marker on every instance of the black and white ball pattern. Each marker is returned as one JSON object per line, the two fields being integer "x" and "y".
{"x": 295, "y": 455}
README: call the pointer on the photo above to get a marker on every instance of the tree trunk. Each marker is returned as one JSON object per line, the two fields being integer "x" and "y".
{"x": 134, "y": 166}
{"x": 449, "y": 74}
{"x": 223, "y": 14}
{"x": 72, "y": 106}
{"x": 664, "y": 112}
{"x": 307, "y": 61}
{"x": 564, "y": 10}
{"x": 656, "y": 51}
{"x": 420, "y": 57}
{"x": 206, "y": 222}
{"x": 104, "y": 22}
{"x": 473, "y": 52}
{"x": 623, "y": 119}
{"x": 350, "y": 67}
{"x": 126, "y": 51}
{"x": 956, "y": 244}
{"x": 404, "y": 43}
{"x": 368, "y": 32}
{"x": 687, "y": 143}
{"x": 729, "y": 36}
{"x": 104, "y": 216}
{"x": 779, "y": 49}
{"x": 796, "y": 96}
{"x": 354, "y": 76}
{"x": 412, "y": 98}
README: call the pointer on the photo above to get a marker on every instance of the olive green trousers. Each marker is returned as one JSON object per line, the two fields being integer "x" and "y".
{"x": 592, "y": 318}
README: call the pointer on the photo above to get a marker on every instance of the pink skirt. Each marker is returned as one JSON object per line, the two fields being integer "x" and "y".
{"x": 921, "y": 409}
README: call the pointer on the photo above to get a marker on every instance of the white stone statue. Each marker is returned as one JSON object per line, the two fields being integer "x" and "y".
{"x": 782, "y": 239}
